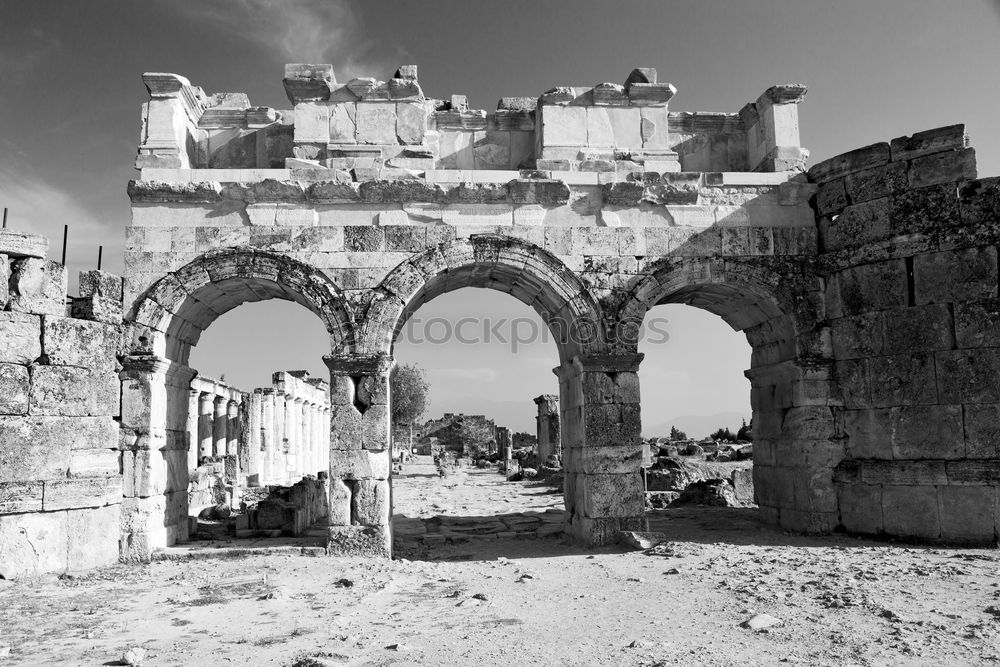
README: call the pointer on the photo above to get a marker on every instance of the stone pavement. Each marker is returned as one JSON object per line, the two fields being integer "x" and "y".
{"x": 473, "y": 503}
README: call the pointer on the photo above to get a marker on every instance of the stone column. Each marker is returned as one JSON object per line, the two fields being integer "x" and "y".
{"x": 360, "y": 502}
{"x": 267, "y": 443}
{"x": 206, "y": 419}
{"x": 279, "y": 474}
{"x": 291, "y": 438}
{"x": 602, "y": 455}
{"x": 547, "y": 418}
{"x": 325, "y": 441}
{"x": 192, "y": 429}
{"x": 232, "y": 427}
{"x": 305, "y": 452}
{"x": 254, "y": 416}
{"x": 220, "y": 426}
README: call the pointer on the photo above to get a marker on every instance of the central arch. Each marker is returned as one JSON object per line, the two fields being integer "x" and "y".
{"x": 165, "y": 323}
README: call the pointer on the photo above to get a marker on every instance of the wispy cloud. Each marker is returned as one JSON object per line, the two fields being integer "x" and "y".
{"x": 298, "y": 30}
{"x": 41, "y": 208}
{"x": 23, "y": 51}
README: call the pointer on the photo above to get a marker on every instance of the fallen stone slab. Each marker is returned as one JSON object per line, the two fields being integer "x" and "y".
{"x": 761, "y": 622}
{"x": 641, "y": 539}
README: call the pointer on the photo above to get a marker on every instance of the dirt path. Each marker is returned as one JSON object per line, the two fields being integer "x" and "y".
{"x": 531, "y": 602}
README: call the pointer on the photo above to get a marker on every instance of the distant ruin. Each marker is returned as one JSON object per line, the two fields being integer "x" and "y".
{"x": 867, "y": 286}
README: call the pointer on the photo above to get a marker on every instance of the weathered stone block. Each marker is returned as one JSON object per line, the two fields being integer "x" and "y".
{"x": 357, "y": 464}
{"x": 911, "y": 511}
{"x": 101, "y": 283}
{"x": 411, "y": 122}
{"x": 982, "y": 431}
{"x": 979, "y": 201}
{"x": 32, "y": 544}
{"x": 339, "y": 513}
{"x": 602, "y": 531}
{"x": 17, "y": 497}
{"x": 70, "y": 342}
{"x": 92, "y": 537}
{"x": 94, "y": 462}
{"x": 875, "y": 183}
{"x": 370, "y": 504}
{"x": 364, "y": 541}
{"x": 4, "y": 281}
{"x": 859, "y": 336}
{"x": 969, "y": 376}
{"x": 602, "y": 460}
{"x": 954, "y": 276}
{"x": 564, "y": 125}
{"x": 904, "y": 379}
{"x": 946, "y": 167}
{"x": 968, "y": 513}
{"x": 14, "y": 386}
{"x": 933, "y": 210}
{"x": 868, "y": 288}
{"x": 19, "y": 244}
{"x": 928, "y": 432}
{"x": 83, "y": 492}
{"x": 376, "y": 123}
{"x": 96, "y": 309}
{"x": 614, "y": 495}
{"x": 858, "y": 224}
{"x": 949, "y": 138}
{"x": 38, "y": 286}
{"x": 21, "y": 336}
{"x": 856, "y": 160}
{"x": 919, "y": 329}
{"x": 73, "y": 391}
{"x": 860, "y": 508}
{"x": 831, "y": 198}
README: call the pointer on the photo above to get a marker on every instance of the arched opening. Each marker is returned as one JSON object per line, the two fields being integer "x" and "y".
{"x": 507, "y": 313}
{"x": 790, "y": 382}
{"x": 698, "y": 439}
{"x": 192, "y": 441}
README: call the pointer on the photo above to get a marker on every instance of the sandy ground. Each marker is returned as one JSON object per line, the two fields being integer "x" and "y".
{"x": 840, "y": 601}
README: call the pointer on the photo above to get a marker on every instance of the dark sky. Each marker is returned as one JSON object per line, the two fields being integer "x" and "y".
{"x": 71, "y": 90}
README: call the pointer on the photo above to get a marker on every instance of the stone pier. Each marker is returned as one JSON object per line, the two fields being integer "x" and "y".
{"x": 547, "y": 427}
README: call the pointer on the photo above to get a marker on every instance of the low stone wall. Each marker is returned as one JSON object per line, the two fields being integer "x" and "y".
{"x": 909, "y": 247}
{"x": 60, "y": 478}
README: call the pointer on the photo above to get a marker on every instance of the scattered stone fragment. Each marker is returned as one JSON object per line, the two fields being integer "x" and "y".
{"x": 761, "y": 622}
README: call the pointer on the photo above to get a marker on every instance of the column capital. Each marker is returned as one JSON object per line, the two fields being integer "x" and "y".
{"x": 220, "y": 400}
{"x": 602, "y": 363}
{"x": 359, "y": 364}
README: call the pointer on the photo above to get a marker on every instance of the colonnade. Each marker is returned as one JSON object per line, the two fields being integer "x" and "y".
{"x": 289, "y": 434}
{"x": 214, "y": 420}
{"x": 277, "y": 434}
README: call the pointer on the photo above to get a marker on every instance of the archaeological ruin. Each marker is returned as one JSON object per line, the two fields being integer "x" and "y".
{"x": 867, "y": 286}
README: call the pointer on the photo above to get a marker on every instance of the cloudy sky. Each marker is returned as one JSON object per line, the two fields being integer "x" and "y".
{"x": 71, "y": 91}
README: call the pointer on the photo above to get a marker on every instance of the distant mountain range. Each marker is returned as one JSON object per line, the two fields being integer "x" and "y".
{"x": 697, "y": 426}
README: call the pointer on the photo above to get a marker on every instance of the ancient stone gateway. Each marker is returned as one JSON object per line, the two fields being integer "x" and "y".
{"x": 867, "y": 287}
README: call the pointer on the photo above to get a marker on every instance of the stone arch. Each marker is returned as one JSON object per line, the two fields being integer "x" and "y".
{"x": 183, "y": 303}
{"x": 165, "y": 323}
{"x": 778, "y": 304}
{"x": 530, "y": 274}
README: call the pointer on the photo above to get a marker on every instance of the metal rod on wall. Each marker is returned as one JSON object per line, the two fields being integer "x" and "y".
{"x": 65, "y": 234}
{"x": 100, "y": 255}
{"x": 5, "y": 217}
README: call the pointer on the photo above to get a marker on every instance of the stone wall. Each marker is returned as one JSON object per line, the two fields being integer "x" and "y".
{"x": 909, "y": 248}
{"x": 60, "y": 480}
